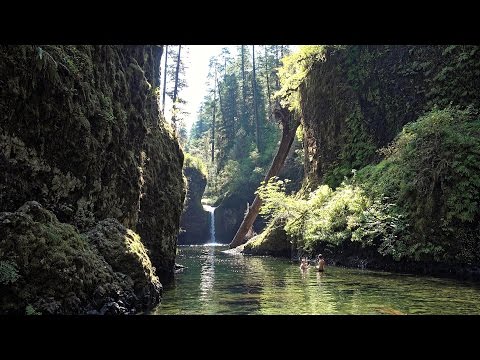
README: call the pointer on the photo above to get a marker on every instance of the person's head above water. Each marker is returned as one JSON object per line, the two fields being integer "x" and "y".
{"x": 320, "y": 256}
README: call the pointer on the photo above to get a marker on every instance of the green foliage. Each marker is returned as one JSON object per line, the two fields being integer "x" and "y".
{"x": 195, "y": 162}
{"x": 8, "y": 272}
{"x": 420, "y": 202}
{"x": 324, "y": 216}
{"x": 295, "y": 68}
{"x": 436, "y": 157}
{"x": 431, "y": 172}
{"x": 30, "y": 310}
{"x": 452, "y": 82}
{"x": 238, "y": 165}
{"x": 357, "y": 151}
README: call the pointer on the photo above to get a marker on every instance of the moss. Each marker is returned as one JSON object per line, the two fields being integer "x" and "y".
{"x": 125, "y": 253}
{"x": 162, "y": 199}
{"x": 272, "y": 241}
{"x": 357, "y": 98}
{"x": 82, "y": 121}
{"x": 60, "y": 272}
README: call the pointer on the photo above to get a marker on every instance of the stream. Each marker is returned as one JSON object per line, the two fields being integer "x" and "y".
{"x": 216, "y": 282}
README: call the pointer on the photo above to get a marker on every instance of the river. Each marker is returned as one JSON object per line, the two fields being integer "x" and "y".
{"x": 219, "y": 283}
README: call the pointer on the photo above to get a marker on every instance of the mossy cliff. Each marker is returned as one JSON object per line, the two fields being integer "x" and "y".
{"x": 359, "y": 97}
{"x": 81, "y": 134}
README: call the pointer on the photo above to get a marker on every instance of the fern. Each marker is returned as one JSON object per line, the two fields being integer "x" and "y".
{"x": 8, "y": 272}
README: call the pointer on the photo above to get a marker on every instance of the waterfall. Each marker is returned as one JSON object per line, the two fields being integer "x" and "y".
{"x": 211, "y": 210}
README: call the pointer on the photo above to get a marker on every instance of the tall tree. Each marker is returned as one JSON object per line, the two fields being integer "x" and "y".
{"x": 267, "y": 70}
{"x": 255, "y": 109}
{"x": 277, "y": 64}
{"x": 176, "y": 82}
{"x": 175, "y": 89}
{"x": 213, "y": 67}
{"x": 165, "y": 79}
{"x": 244, "y": 88}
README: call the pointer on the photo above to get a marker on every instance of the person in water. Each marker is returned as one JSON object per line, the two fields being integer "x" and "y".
{"x": 304, "y": 264}
{"x": 321, "y": 263}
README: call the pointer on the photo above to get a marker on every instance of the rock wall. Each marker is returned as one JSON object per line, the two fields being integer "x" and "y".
{"x": 195, "y": 222}
{"x": 231, "y": 211}
{"x": 80, "y": 133}
{"x": 360, "y": 97}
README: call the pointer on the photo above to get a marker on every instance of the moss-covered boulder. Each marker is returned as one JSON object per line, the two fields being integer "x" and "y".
{"x": 124, "y": 252}
{"x": 272, "y": 241}
{"x": 53, "y": 269}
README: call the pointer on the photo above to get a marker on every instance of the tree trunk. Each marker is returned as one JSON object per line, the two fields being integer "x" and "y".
{"x": 290, "y": 125}
{"x": 254, "y": 85}
{"x": 233, "y": 113}
{"x": 222, "y": 106}
{"x": 165, "y": 80}
{"x": 214, "y": 111}
{"x": 175, "y": 89}
{"x": 244, "y": 94}
{"x": 268, "y": 85}
{"x": 277, "y": 62}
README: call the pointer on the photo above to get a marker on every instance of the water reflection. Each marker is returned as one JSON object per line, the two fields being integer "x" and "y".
{"x": 219, "y": 283}
{"x": 207, "y": 273}
{"x": 319, "y": 275}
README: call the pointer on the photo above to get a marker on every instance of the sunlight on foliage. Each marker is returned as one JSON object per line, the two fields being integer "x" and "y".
{"x": 326, "y": 215}
{"x": 294, "y": 70}
{"x": 420, "y": 202}
{"x": 195, "y": 162}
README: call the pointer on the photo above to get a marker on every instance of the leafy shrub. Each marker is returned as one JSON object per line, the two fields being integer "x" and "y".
{"x": 325, "y": 216}
{"x": 420, "y": 202}
{"x": 8, "y": 272}
{"x": 195, "y": 162}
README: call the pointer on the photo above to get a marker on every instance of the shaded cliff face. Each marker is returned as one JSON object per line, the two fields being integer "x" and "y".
{"x": 360, "y": 97}
{"x": 194, "y": 221}
{"x": 231, "y": 211}
{"x": 80, "y": 132}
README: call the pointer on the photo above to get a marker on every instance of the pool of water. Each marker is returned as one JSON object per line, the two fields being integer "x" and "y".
{"x": 216, "y": 282}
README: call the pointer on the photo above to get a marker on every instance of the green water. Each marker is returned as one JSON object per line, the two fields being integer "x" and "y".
{"x": 220, "y": 283}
